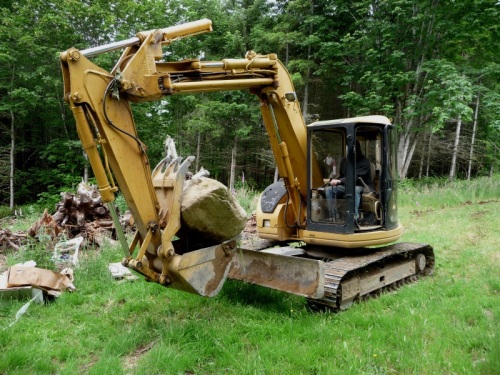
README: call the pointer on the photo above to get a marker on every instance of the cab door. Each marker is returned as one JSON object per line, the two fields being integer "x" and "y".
{"x": 331, "y": 145}
{"x": 389, "y": 187}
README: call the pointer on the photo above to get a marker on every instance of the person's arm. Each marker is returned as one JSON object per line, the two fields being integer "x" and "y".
{"x": 341, "y": 179}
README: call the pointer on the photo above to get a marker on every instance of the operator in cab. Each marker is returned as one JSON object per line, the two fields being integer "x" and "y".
{"x": 337, "y": 184}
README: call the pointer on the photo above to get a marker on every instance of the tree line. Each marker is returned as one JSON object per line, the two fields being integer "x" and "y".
{"x": 429, "y": 65}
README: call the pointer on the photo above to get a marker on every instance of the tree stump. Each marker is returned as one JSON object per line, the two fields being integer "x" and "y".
{"x": 80, "y": 214}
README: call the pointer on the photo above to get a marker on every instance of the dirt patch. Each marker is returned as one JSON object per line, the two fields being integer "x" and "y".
{"x": 92, "y": 361}
{"x": 130, "y": 361}
{"x": 486, "y": 202}
{"x": 420, "y": 213}
{"x": 495, "y": 258}
{"x": 466, "y": 203}
{"x": 478, "y": 215}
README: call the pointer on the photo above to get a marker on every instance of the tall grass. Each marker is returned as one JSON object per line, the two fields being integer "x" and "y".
{"x": 247, "y": 198}
{"x": 443, "y": 192}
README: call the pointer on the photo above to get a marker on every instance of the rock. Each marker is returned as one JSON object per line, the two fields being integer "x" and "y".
{"x": 209, "y": 212}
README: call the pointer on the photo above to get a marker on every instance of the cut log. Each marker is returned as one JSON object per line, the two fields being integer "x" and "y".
{"x": 67, "y": 199}
{"x": 100, "y": 211}
{"x": 209, "y": 212}
{"x": 12, "y": 241}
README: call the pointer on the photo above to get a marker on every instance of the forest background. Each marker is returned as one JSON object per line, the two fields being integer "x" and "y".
{"x": 429, "y": 65}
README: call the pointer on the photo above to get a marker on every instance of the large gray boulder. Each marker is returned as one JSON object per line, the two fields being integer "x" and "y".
{"x": 210, "y": 214}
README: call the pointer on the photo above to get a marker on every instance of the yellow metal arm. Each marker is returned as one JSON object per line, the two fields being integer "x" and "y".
{"x": 100, "y": 101}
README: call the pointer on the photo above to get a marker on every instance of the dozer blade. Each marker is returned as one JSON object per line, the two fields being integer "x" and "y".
{"x": 300, "y": 276}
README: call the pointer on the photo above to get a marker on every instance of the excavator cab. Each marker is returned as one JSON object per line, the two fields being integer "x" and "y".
{"x": 342, "y": 150}
{"x": 363, "y": 211}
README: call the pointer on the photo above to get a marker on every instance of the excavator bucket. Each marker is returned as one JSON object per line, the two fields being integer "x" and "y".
{"x": 203, "y": 271}
{"x": 200, "y": 271}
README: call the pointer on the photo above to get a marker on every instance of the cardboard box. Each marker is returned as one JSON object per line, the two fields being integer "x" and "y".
{"x": 20, "y": 292}
{"x": 20, "y": 276}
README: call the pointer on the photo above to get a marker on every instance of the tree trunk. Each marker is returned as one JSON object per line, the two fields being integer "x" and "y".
{"x": 455, "y": 149}
{"x": 86, "y": 168}
{"x": 305, "y": 105}
{"x": 473, "y": 139}
{"x": 428, "y": 155}
{"x": 62, "y": 108}
{"x": 422, "y": 159}
{"x": 403, "y": 148}
{"x": 306, "y": 96}
{"x": 12, "y": 160}
{"x": 406, "y": 148}
{"x": 233, "y": 165}
{"x": 415, "y": 92}
{"x": 198, "y": 147}
{"x": 409, "y": 157}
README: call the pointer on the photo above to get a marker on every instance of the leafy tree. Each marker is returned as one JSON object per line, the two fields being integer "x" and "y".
{"x": 491, "y": 131}
{"x": 381, "y": 51}
{"x": 223, "y": 119}
{"x": 423, "y": 64}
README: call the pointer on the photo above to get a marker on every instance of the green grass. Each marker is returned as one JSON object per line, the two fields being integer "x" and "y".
{"x": 442, "y": 192}
{"x": 444, "y": 324}
{"x": 247, "y": 199}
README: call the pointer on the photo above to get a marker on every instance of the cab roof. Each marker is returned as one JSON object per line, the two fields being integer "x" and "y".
{"x": 374, "y": 119}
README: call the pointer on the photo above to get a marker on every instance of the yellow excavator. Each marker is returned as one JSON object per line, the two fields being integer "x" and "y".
{"x": 331, "y": 245}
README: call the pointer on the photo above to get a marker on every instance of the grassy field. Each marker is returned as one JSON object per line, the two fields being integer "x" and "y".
{"x": 444, "y": 324}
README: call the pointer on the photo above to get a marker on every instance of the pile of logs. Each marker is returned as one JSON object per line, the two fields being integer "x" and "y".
{"x": 77, "y": 215}
{"x": 81, "y": 214}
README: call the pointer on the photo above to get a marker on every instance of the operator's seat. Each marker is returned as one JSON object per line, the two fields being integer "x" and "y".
{"x": 369, "y": 200}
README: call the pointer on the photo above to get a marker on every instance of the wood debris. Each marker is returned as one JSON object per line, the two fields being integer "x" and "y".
{"x": 84, "y": 214}
{"x": 81, "y": 214}
{"x": 9, "y": 239}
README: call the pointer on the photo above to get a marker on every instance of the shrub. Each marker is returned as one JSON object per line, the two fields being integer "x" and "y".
{"x": 247, "y": 199}
{"x": 5, "y": 211}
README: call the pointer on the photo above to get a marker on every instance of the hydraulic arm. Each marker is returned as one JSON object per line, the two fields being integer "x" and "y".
{"x": 100, "y": 102}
